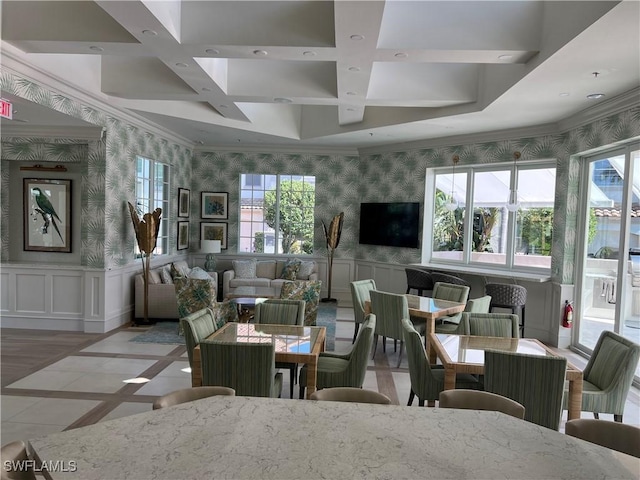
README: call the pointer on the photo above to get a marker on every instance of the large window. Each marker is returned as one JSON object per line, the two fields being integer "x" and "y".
{"x": 276, "y": 213}
{"x": 152, "y": 191}
{"x": 472, "y": 220}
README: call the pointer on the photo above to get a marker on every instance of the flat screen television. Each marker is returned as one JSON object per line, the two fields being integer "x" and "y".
{"x": 390, "y": 224}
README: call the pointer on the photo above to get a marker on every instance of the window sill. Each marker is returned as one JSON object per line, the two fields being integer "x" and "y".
{"x": 485, "y": 272}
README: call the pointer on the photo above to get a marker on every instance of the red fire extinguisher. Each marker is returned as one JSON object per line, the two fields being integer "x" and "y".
{"x": 567, "y": 317}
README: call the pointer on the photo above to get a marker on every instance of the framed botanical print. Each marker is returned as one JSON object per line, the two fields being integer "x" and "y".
{"x": 184, "y": 201}
{"x": 183, "y": 235}
{"x": 47, "y": 215}
{"x": 214, "y": 231}
{"x": 214, "y": 205}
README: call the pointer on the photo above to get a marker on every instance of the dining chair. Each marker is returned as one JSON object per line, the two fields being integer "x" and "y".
{"x": 478, "y": 305}
{"x": 535, "y": 381}
{"x": 608, "y": 375}
{"x": 248, "y": 368}
{"x": 508, "y": 295}
{"x": 480, "y": 400}
{"x": 196, "y": 327}
{"x": 419, "y": 280}
{"x": 344, "y": 370}
{"x": 307, "y": 290}
{"x": 427, "y": 381}
{"x": 614, "y": 435}
{"x": 490, "y": 325}
{"x": 282, "y": 312}
{"x": 359, "y": 296}
{"x": 350, "y": 394}
{"x": 16, "y": 451}
{"x": 189, "y": 395}
{"x": 390, "y": 309}
{"x": 453, "y": 293}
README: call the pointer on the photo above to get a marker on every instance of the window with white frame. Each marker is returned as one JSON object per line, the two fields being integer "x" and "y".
{"x": 152, "y": 191}
{"x": 276, "y": 214}
{"x": 474, "y": 220}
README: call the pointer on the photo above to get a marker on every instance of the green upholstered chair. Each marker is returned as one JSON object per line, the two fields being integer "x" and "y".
{"x": 490, "y": 325}
{"x": 350, "y": 394}
{"x": 344, "y": 370}
{"x": 535, "y": 381}
{"x": 390, "y": 309}
{"x": 193, "y": 294}
{"x": 16, "y": 451}
{"x": 479, "y": 400}
{"x": 478, "y": 305}
{"x": 359, "y": 296}
{"x": 608, "y": 375}
{"x": 189, "y": 395}
{"x": 196, "y": 327}
{"x": 282, "y": 312}
{"x": 248, "y": 368}
{"x": 426, "y": 381}
{"x": 453, "y": 293}
{"x": 614, "y": 435}
{"x": 307, "y": 290}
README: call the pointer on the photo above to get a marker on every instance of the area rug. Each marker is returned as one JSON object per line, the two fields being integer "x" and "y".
{"x": 167, "y": 332}
{"x": 327, "y": 318}
{"x": 161, "y": 332}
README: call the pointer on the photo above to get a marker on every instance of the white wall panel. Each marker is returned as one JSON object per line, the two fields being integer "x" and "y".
{"x": 31, "y": 292}
{"x": 6, "y": 303}
{"x": 66, "y": 294}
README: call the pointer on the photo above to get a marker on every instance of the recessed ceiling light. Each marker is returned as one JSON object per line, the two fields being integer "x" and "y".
{"x": 354, "y": 69}
{"x": 260, "y": 53}
{"x": 224, "y": 106}
{"x": 149, "y": 32}
{"x": 351, "y": 109}
{"x": 212, "y": 51}
{"x": 595, "y": 96}
{"x": 504, "y": 58}
{"x": 282, "y": 100}
{"x": 564, "y": 94}
{"x": 357, "y": 37}
{"x": 401, "y": 55}
{"x": 181, "y": 65}
{"x": 351, "y": 93}
{"x": 206, "y": 89}
{"x": 309, "y": 53}
{"x": 96, "y": 48}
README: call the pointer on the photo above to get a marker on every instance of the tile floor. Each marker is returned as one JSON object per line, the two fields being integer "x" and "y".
{"x": 87, "y": 385}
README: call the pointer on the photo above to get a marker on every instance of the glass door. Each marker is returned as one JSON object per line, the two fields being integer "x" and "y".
{"x": 609, "y": 286}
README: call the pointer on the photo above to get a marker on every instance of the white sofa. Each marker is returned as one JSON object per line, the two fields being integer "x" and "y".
{"x": 162, "y": 294}
{"x": 267, "y": 274}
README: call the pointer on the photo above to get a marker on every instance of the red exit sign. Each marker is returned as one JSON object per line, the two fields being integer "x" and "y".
{"x": 6, "y": 110}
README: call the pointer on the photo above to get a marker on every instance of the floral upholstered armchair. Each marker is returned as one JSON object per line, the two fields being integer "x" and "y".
{"x": 309, "y": 291}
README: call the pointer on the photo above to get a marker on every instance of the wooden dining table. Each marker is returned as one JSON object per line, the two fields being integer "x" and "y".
{"x": 429, "y": 309}
{"x": 465, "y": 354}
{"x": 293, "y": 344}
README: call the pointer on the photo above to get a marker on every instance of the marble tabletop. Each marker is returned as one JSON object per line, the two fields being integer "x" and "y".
{"x": 248, "y": 438}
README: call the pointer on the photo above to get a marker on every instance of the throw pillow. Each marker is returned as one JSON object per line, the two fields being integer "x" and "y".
{"x": 244, "y": 268}
{"x": 199, "y": 273}
{"x": 305, "y": 270}
{"x": 175, "y": 273}
{"x": 290, "y": 269}
{"x": 165, "y": 275}
{"x": 154, "y": 277}
{"x": 182, "y": 267}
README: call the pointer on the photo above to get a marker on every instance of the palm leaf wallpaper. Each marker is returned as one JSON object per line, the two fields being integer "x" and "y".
{"x": 342, "y": 181}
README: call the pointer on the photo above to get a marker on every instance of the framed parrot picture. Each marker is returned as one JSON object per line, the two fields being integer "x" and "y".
{"x": 47, "y": 215}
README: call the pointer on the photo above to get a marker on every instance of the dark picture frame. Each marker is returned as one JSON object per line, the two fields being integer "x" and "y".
{"x": 184, "y": 202}
{"x": 47, "y": 215}
{"x": 214, "y": 205}
{"x": 183, "y": 236}
{"x": 214, "y": 231}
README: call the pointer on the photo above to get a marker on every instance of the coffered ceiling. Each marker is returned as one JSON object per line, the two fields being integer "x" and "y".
{"x": 344, "y": 74}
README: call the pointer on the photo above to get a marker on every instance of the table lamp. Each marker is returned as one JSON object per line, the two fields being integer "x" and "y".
{"x": 210, "y": 247}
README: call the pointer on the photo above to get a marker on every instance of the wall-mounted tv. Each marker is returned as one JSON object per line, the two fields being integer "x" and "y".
{"x": 390, "y": 224}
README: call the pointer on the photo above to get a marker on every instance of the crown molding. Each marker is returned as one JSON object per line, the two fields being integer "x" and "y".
{"x": 79, "y": 133}
{"x": 274, "y": 149}
{"x": 15, "y": 62}
{"x": 605, "y": 108}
